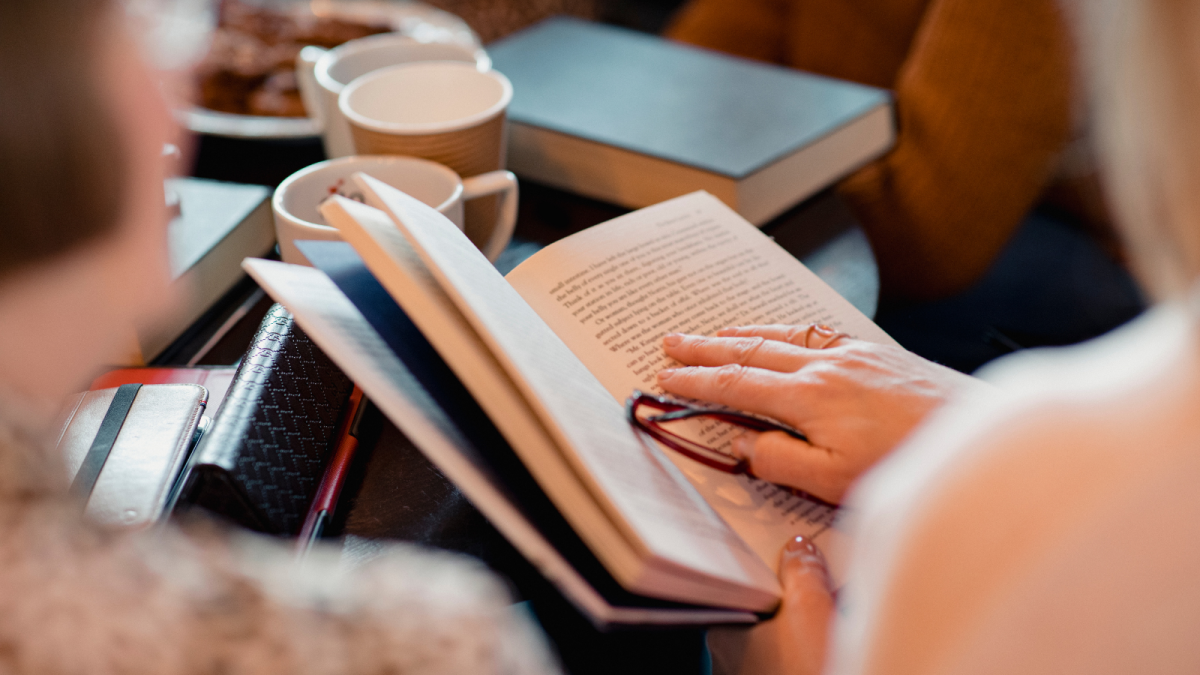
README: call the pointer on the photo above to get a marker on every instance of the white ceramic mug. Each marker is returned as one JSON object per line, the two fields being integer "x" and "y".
{"x": 297, "y": 198}
{"x": 450, "y": 113}
{"x": 323, "y": 74}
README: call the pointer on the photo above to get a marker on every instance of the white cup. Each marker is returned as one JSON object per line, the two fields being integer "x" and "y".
{"x": 297, "y": 198}
{"x": 323, "y": 74}
{"x": 449, "y": 113}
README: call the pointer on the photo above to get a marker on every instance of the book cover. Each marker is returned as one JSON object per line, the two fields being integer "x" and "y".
{"x": 636, "y": 119}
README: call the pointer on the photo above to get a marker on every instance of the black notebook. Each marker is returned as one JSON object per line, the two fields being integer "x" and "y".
{"x": 261, "y": 462}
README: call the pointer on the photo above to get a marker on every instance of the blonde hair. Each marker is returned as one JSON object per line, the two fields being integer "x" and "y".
{"x": 1142, "y": 65}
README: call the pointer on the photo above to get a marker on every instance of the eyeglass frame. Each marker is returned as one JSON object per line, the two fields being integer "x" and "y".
{"x": 675, "y": 410}
{"x": 681, "y": 410}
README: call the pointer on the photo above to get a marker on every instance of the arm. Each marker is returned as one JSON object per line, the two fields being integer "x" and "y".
{"x": 983, "y": 105}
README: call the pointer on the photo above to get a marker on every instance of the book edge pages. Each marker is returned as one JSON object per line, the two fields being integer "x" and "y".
{"x": 637, "y": 180}
{"x": 477, "y": 487}
{"x": 775, "y": 188}
{"x": 606, "y": 172}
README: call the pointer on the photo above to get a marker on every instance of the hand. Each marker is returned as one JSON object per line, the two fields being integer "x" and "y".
{"x": 854, "y": 400}
{"x": 792, "y": 642}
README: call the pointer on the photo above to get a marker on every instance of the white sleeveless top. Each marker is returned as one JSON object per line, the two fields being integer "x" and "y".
{"x": 1052, "y": 528}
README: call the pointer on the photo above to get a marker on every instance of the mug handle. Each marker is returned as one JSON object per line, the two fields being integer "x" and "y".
{"x": 306, "y": 80}
{"x": 492, "y": 183}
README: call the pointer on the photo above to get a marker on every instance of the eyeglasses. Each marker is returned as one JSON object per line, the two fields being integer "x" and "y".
{"x": 654, "y": 415}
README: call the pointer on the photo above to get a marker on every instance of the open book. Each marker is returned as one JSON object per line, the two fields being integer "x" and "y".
{"x": 514, "y": 387}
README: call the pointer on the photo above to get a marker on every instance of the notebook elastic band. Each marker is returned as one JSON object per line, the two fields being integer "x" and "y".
{"x": 97, "y": 455}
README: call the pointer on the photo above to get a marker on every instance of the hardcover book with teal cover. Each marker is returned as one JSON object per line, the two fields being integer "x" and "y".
{"x": 634, "y": 119}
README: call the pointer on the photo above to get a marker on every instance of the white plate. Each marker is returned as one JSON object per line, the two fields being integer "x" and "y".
{"x": 417, "y": 19}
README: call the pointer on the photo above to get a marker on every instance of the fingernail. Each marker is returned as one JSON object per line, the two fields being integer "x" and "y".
{"x": 800, "y": 543}
{"x": 803, "y": 557}
{"x": 666, "y": 373}
{"x": 672, "y": 339}
{"x": 801, "y": 550}
{"x": 743, "y": 446}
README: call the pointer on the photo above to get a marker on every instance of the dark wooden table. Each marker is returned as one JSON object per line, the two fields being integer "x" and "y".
{"x": 394, "y": 494}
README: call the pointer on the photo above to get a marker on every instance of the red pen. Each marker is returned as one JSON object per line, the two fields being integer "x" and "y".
{"x": 335, "y": 476}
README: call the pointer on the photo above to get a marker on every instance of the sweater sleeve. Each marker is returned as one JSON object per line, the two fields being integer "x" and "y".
{"x": 79, "y": 598}
{"x": 983, "y": 108}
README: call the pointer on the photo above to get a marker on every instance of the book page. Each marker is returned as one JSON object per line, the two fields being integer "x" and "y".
{"x": 690, "y": 552}
{"x": 689, "y": 265}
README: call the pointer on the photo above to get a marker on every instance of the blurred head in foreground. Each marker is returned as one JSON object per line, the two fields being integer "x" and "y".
{"x": 82, "y": 216}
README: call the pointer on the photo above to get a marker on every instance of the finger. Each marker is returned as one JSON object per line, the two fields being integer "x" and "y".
{"x": 807, "y": 587}
{"x": 793, "y": 641}
{"x": 754, "y": 390}
{"x": 793, "y": 334}
{"x": 756, "y": 352}
{"x": 802, "y": 335}
{"x": 779, "y": 458}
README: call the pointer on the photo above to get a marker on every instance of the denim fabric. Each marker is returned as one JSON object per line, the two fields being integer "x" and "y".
{"x": 1052, "y": 285}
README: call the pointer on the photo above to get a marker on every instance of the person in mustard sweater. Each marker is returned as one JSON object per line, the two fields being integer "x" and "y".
{"x": 987, "y": 128}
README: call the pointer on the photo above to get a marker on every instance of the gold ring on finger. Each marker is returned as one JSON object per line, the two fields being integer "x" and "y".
{"x": 820, "y": 336}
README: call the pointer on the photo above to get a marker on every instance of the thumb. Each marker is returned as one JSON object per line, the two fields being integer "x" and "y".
{"x": 793, "y": 641}
{"x": 807, "y": 605}
{"x": 804, "y": 572}
{"x": 784, "y": 459}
